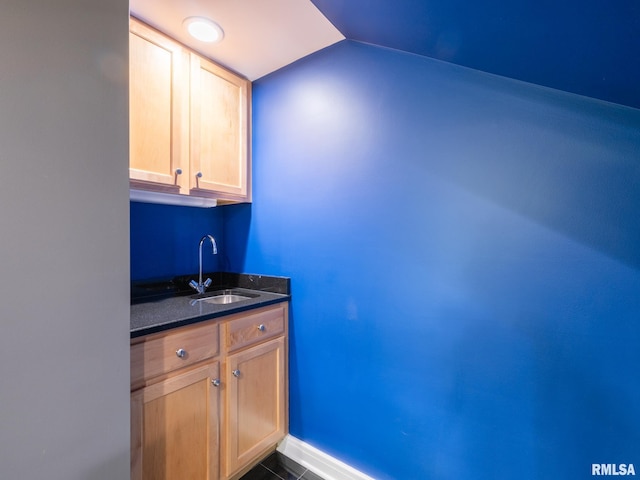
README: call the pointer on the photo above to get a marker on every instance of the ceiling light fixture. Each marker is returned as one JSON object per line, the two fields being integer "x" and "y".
{"x": 203, "y": 29}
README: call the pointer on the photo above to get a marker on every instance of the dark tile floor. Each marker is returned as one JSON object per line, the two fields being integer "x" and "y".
{"x": 278, "y": 467}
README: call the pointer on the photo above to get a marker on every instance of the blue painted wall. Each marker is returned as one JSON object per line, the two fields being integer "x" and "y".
{"x": 165, "y": 238}
{"x": 465, "y": 262}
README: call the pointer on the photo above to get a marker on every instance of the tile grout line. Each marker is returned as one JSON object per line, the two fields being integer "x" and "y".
{"x": 272, "y": 471}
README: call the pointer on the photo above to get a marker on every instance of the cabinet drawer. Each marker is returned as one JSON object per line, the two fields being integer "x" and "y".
{"x": 163, "y": 353}
{"x": 250, "y": 329}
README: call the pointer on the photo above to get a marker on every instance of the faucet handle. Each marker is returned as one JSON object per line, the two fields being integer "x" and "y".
{"x": 206, "y": 283}
{"x": 193, "y": 284}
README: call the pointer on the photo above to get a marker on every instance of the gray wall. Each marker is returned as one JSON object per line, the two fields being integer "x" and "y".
{"x": 64, "y": 242}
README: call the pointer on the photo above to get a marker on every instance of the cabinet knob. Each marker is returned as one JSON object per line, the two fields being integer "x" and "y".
{"x": 261, "y": 327}
{"x": 215, "y": 382}
{"x": 178, "y": 171}
{"x": 198, "y": 177}
{"x": 236, "y": 373}
{"x": 181, "y": 352}
{"x": 199, "y": 174}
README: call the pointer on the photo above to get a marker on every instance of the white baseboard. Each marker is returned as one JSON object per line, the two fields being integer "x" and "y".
{"x": 328, "y": 467}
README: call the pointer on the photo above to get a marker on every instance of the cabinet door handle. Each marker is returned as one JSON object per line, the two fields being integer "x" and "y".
{"x": 261, "y": 327}
{"x": 215, "y": 382}
{"x": 236, "y": 373}
{"x": 181, "y": 353}
{"x": 198, "y": 176}
{"x": 178, "y": 171}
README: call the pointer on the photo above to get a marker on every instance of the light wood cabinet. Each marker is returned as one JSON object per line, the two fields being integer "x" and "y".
{"x": 175, "y": 404}
{"x": 209, "y": 400}
{"x": 256, "y": 386}
{"x": 160, "y": 354}
{"x": 189, "y": 121}
{"x": 255, "y": 401}
{"x": 175, "y": 427}
{"x": 219, "y": 130}
{"x": 254, "y": 327}
{"x": 158, "y": 110}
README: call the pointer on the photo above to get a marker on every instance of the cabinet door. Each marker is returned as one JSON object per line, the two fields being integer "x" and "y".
{"x": 219, "y": 131}
{"x": 175, "y": 427}
{"x": 256, "y": 402}
{"x": 158, "y": 110}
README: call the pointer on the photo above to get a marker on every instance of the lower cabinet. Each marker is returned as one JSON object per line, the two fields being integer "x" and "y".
{"x": 206, "y": 409}
{"x": 175, "y": 427}
{"x": 255, "y": 401}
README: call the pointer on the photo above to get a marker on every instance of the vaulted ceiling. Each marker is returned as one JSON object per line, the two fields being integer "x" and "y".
{"x": 588, "y": 47}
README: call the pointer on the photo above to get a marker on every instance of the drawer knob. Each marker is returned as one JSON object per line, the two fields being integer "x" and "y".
{"x": 215, "y": 382}
{"x": 261, "y": 327}
{"x": 181, "y": 353}
{"x": 236, "y": 373}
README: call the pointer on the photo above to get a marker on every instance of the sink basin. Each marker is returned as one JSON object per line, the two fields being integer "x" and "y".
{"x": 224, "y": 297}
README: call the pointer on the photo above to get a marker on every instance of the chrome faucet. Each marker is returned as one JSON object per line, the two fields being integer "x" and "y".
{"x": 200, "y": 287}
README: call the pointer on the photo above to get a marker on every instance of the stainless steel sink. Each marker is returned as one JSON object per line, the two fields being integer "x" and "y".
{"x": 224, "y": 297}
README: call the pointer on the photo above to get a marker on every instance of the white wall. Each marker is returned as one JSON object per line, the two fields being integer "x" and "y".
{"x": 64, "y": 240}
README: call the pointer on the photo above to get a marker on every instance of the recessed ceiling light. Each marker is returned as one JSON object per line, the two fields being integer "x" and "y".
{"x": 203, "y": 29}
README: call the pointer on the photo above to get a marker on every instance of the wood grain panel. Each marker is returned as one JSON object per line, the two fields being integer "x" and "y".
{"x": 256, "y": 403}
{"x": 245, "y": 331}
{"x": 156, "y": 354}
{"x": 219, "y": 128}
{"x": 175, "y": 430}
{"x": 158, "y": 107}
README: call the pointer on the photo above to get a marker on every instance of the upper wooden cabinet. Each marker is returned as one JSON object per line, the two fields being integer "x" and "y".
{"x": 219, "y": 130}
{"x": 189, "y": 121}
{"x": 158, "y": 110}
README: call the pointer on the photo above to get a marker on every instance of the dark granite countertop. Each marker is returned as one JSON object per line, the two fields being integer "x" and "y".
{"x": 163, "y": 304}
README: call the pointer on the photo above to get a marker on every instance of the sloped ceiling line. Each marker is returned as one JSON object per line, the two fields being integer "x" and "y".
{"x": 587, "y": 47}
